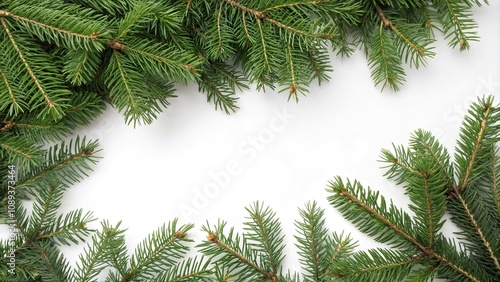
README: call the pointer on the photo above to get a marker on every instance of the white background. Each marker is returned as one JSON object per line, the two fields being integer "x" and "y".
{"x": 152, "y": 174}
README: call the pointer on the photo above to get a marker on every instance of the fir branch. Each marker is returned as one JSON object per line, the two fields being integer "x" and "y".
{"x": 312, "y": 242}
{"x": 158, "y": 252}
{"x": 96, "y": 256}
{"x": 263, "y": 234}
{"x": 495, "y": 181}
{"x": 16, "y": 108}
{"x": 81, "y": 66}
{"x": 47, "y": 201}
{"x": 343, "y": 191}
{"x": 70, "y": 227}
{"x": 48, "y": 101}
{"x": 233, "y": 253}
{"x": 377, "y": 265}
{"x": 54, "y": 267}
{"x": 262, "y": 15}
{"x": 457, "y": 23}
{"x": 389, "y": 24}
{"x": 464, "y": 181}
{"x": 92, "y": 36}
{"x": 192, "y": 269}
{"x": 68, "y": 161}
{"x": 478, "y": 230}
{"x": 383, "y": 61}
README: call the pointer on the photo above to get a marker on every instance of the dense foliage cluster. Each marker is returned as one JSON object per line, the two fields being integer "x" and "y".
{"x": 131, "y": 53}
{"x": 63, "y": 61}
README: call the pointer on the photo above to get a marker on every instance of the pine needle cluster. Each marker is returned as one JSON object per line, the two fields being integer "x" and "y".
{"x": 131, "y": 53}
{"x": 466, "y": 187}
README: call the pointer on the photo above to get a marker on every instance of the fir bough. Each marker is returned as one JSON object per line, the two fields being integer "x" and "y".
{"x": 466, "y": 186}
{"x": 132, "y": 52}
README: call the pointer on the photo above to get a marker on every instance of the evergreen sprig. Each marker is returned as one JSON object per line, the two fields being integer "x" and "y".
{"x": 131, "y": 52}
{"x": 434, "y": 185}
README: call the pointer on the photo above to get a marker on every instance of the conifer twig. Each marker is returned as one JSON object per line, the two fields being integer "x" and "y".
{"x": 212, "y": 238}
{"x": 392, "y": 26}
{"x": 92, "y": 36}
{"x": 262, "y": 15}
{"x": 48, "y": 101}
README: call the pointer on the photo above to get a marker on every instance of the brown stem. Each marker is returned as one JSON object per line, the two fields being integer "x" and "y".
{"x": 7, "y": 125}
{"x": 7, "y": 85}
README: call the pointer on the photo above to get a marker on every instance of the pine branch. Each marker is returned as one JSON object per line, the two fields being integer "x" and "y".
{"x": 233, "y": 254}
{"x": 69, "y": 228}
{"x": 47, "y": 201}
{"x": 68, "y": 162}
{"x": 377, "y": 265}
{"x": 392, "y": 226}
{"x": 455, "y": 17}
{"x": 51, "y": 96}
{"x": 312, "y": 241}
{"x": 264, "y": 235}
{"x": 96, "y": 256}
{"x": 74, "y": 33}
{"x": 384, "y": 61}
{"x": 188, "y": 270}
{"x": 158, "y": 252}
{"x": 473, "y": 139}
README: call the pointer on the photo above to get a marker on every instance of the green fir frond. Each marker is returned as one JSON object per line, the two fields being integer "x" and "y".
{"x": 51, "y": 264}
{"x": 67, "y": 162}
{"x": 81, "y": 66}
{"x": 233, "y": 254}
{"x": 129, "y": 93}
{"x": 54, "y": 23}
{"x": 40, "y": 80}
{"x": 17, "y": 150}
{"x": 457, "y": 22}
{"x": 372, "y": 215}
{"x": 312, "y": 242}
{"x": 264, "y": 236}
{"x": 384, "y": 61}
{"x": 425, "y": 170}
{"x": 47, "y": 201}
{"x": 376, "y": 265}
{"x": 219, "y": 81}
{"x": 98, "y": 253}
{"x": 69, "y": 228}
{"x": 159, "y": 252}
{"x": 109, "y": 8}
{"x": 477, "y": 137}
{"x": 12, "y": 99}
{"x": 189, "y": 270}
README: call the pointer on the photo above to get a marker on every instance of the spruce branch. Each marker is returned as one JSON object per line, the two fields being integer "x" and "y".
{"x": 236, "y": 258}
{"x": 53, "y": 108}
{"x": 429, "y": 178}
{"x": 159, "y": 251}
{"x": 69, "y": 162}
{"x": 97, "y": 255}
